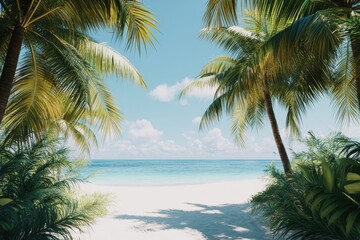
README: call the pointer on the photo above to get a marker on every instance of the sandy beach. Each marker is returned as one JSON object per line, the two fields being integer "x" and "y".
{"x": 179, "y": 212}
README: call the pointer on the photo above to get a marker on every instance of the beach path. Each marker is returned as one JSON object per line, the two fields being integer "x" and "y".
{"x": 179, "y": 212}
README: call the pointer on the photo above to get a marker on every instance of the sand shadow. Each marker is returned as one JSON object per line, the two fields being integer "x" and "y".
{"x": 233, "y": 221}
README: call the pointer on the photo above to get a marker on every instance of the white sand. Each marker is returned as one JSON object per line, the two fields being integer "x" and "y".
{"x": 180, "y": 212}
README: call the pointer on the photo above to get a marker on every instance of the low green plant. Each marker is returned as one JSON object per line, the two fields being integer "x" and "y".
{"x": 37, "y": 193}
{"x": 321, "y": 199}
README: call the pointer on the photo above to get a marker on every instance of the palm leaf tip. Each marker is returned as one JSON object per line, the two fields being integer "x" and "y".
{"x": 140, "y": 25}
{"x": 108, "y": 61}
{"x": 220, "y": 13}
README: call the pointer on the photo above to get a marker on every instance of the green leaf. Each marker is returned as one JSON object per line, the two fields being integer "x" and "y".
{"x": 337, "y": 214}
{"x": 4, "y": 201}
{"x": 332, "y": 205}
{"x": 5, "y": 225}
{"x": 353, "y": 176}
{"x": 328, "y": 176}
{"x": 309, "y": 197}
{"x": 350, "y": 220}
{"x": 318, "y": 201}
{"x": 352, "y": 188}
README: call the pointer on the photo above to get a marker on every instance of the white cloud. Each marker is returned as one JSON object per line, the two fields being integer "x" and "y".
{"x": 170, "y": 146}
{"x": 196, "y": 120}
{"x": 192, "y": 141}
{"x": 214, "y": 145}
{"x": 168, "y": 93}
{"x": 141, "y": 140}
{"x": 211, "y": 145}
{"x": 214, "y": 141}
{"x": 165, "y": 93}
{"x": 143, "y": 129}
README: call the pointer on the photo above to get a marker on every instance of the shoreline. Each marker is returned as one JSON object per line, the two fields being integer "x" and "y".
{"x": 195, "y": 183}
{"x": 218, "y": 210}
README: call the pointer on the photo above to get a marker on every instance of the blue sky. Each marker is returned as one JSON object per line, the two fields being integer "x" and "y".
{"x": 159, "y": 126}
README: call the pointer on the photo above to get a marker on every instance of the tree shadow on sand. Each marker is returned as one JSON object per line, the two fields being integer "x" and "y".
{"x": 231, "y": 222}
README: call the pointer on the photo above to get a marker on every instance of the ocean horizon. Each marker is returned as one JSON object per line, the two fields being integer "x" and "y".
{"x": 173, "y": 172}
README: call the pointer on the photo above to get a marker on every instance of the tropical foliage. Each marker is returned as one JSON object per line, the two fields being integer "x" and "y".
{"x": 321, "y": 200}
{"x": 328, "y": 29}
{"x": 37, "y": 199}
{"x": 59, "y": 75}
{"x": 248, "y": 81}
{"x": 52, "y": 81}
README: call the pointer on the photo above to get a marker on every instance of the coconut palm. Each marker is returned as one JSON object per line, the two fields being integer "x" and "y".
{"x": 61, "y": 64}
{"x": 329, "y": 29}
{"x": 248, "y": 82}
{"x": 37, "y": 103}
{"x": 325, "y": 24}
{"x": 37, "y": 200}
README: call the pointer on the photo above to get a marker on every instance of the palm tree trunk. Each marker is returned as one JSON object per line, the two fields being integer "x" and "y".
{"x": 9, "y": 68}
{"x": 355, "y": 46}
{"x": 276, "y": 133}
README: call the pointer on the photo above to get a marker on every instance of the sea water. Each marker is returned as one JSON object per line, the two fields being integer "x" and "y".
{"x": 173, "y": 172}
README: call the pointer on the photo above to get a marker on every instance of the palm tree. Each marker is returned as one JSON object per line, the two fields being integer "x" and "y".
{"x": 249, "y": 80}
{"x": 38, "y": 102}
{"x": 326, "y": 28}
{"x": 60, "y": 63}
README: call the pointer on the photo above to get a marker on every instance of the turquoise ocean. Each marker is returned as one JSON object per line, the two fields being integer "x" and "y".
{"x": 174, "y": 172}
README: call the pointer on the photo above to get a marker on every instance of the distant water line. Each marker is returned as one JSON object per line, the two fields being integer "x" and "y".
{"x": 173, "y": 172}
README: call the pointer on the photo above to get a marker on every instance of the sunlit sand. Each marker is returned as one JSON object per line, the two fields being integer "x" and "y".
{"x": 183, "y": 212}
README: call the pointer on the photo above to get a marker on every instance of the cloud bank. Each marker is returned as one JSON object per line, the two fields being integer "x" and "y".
{"x": 142, "y": 140}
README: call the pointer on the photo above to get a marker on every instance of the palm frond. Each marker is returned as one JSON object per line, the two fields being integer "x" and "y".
{"x": 108, "y": 61}
{"x": 314, "y": 203}
{"x": 236, "y": 40}
{"x": 4, "y": 38}
{"x": 218, "y": 65}
{"x": 140, "y": 23}
{"x": 221, "y": 13}
{"x": 289, "y": 10}
{"x": 103, "y": 112}
{"x": 36, "y": 178}
{"x": 343, "y": 90}
{"x": 351, "y": 149}
{"x": 97, "y": 14}
{"x": 66, "y": 61}
{"x": 71, "y": 72}
{"x": 303, "y": 32}
{"x": 214, "y": 111}
{"x": 78, "y": 130}
{"x": 206, "y": 81}
{"x": 250, "y": 114}
{"x": 33, "y": 98}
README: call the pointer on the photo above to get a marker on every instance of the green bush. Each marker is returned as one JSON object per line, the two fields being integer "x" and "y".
{"x": 321, "y": 200}
{"x": 37, "y": 199}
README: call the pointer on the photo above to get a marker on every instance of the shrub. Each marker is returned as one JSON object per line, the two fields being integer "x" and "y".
{"x": 37, "y": 199}
{"x": 321, "y": 200}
